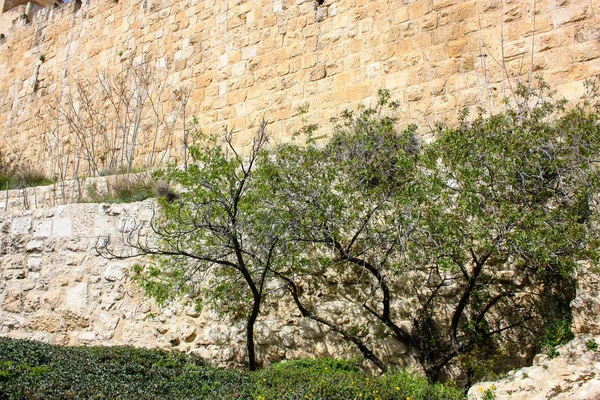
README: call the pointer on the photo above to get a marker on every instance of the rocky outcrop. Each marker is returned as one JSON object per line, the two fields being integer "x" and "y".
{"x": 573, "y": 374}
{"x": 574, "y": 371}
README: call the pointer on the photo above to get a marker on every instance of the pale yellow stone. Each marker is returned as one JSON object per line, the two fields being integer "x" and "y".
{"x": 231, "y": 59}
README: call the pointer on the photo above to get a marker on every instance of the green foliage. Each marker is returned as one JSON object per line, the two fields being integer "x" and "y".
{"x": 557, "y": 329}
{"x": 16, "y": 175}
{"x": 556, "y": 333}
{"x": 31, "y": 370}
{"x": 129, "y": 189}
{"x": 591, "y": 345}
{"x": 481, "y": 227}
{"x": 489, "y": 394}
{"x": 338, "y": 379}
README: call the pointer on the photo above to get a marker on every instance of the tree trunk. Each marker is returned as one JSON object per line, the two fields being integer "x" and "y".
{"x": 250, "y": 334}
{"x": 432, "y": 373}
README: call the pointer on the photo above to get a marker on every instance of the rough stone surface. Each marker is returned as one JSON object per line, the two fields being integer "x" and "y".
{"x": 55, "y": 288}
{"x": 573, "y": 374}
{"x": 242, "y": 60}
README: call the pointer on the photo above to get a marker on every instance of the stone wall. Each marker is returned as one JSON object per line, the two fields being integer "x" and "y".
{"x": 55, "y": 288}
{"x": 245, "y": 59}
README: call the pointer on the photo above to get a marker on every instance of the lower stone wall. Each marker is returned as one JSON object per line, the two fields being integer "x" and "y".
{"x": 55, "y": 288}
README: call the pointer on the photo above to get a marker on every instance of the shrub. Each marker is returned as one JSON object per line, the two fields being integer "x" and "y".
{"x": 137, "y": 188}
{"x": 32, "y": 370}
{"x": 557, "y": 333}
{"x": 131, "y": 188}
{"x": 15, "y": 175}
{"x": 342, "y": 379}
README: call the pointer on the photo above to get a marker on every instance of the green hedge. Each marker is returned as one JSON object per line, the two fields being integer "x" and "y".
{"x": 33, "y": 370}
{"x": 341, "y": 380}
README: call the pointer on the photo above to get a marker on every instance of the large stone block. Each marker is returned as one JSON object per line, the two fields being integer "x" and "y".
{"x": 13, "y": 301}
{"x": 62, "y": 227}
{"x": 76, "y": 297}
{"x": 21, "y": 226}
{"x": 42, "y": 228}
{"x": 46, "y": 321}
{"x": 114, "y": 272}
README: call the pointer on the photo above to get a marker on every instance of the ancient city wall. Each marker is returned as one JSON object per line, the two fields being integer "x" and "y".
{"x": 242, "y": 60}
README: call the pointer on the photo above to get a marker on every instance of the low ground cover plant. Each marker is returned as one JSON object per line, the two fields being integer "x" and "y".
{"x": 129, "y": 188}
{"x": 33, "y": 370}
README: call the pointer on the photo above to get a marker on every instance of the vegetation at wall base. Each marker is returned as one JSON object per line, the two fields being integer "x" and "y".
{"x": 481, "y": 231}
{"x": 16, "y": 175}
{"x": 129, "y": 188}
{"x": 32, "y": 370}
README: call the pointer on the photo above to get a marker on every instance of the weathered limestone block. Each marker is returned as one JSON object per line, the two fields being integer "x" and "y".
{"x": 35, "y": 245}
{"x": 264, "y": 333}
{"x": 62, "y": 227}
{"x": 42, "y": 228}
{"x": 104, "y": 324}
{"x": 216, "y": 334}
{"x": 21, "y": 226}
{"x": 30, "y": 282}
{"x": 286, "y": 334}
{"x": 83, "y": 221}
{"x": 76, "y": 298}
{"x": 74, "y": 259}
{"x": 52, "y": 299}
{"x": 76, "y": 244}
{"x": 46, "y": 321}
{"x": 393, "y": 347}
{"x": 73, "y": 320}
{"x": 85, "y": 337}
{"x": 310, "y": 329}
{"x": 114, "y": 272}
{"x": 5, "y": 223}
{"x": 14, "y": 261}
{"x": 13, "y": 301}
{"x": 12, "y": 322}
{"x": 187, "y": 331}
{"x": 31, "y": 302}
{"x": 586, "y": 305}
{"x": 103, "y": 224}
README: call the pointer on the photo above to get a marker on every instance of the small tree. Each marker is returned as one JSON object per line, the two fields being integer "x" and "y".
{"x": 214, "y": 241}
